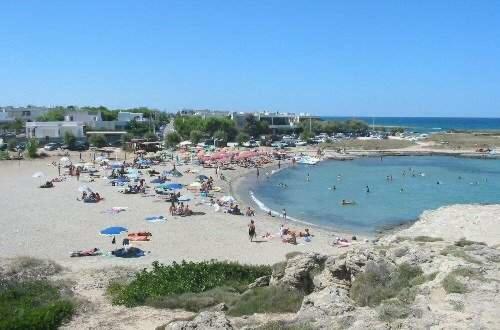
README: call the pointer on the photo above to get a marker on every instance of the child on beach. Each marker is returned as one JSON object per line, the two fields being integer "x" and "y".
{"x": 251, "y": 230}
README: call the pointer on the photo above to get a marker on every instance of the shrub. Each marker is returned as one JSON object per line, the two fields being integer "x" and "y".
{"x": 32, "y": 305}
{"x": 186, "y": 277}
{"x": 242, "y": 138}
{"x": 281, "y": 325}
{"x": 379, "y": 283}
{"x": 195, "y": 136}
{"x": 195, "y": 302}
{"x": 427, "y": 239}
{"x": 457, "y": 252}
{"x": 69, "y": 139}
{"x": 98, "y": 140}
{"x": 271, "y": 299}
{"x": 23, "y": 268}
{"x": 172, "y": 139}
{"x": 392, "y": 309}
{"x": 32, "y": 148}
{"x": 452, "y": 285}
{"x": 463, "y": 242}
{"x": 4, "y": 155}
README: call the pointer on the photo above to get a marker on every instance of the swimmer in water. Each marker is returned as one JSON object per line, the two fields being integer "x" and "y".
{"x": 401, "y": 190}
{"x": 367, "y": 189}
{"x": 307, "y": 178}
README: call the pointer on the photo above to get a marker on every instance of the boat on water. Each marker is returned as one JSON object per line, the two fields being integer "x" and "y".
{"x": 308, "y": 160}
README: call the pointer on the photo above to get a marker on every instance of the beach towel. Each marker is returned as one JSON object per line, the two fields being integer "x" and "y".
{"x": 155, "y": 218}
{"x": 131, "y": 252}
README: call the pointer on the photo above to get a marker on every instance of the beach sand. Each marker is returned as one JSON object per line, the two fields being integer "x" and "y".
{"x": 50, "y": 223}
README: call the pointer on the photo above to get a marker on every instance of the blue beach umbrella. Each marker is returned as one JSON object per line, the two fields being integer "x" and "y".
{"x": 113, "y": 231}
{"x": 201, "y": 178}
{"x": 171, "y": 186}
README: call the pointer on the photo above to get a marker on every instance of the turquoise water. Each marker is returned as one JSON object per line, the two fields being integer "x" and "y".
{"x": 413, "y": 189}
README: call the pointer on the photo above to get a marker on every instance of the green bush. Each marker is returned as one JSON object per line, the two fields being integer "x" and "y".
{"x": 195, "y": 302}
{"x": 98, "y": 140}
{"x": 32, "y": 148}
{"x": 186, "y": 277}
{"x": 463, "y": 242}
{"x": 452, "y": 285}
{"x": 69, "y": 139}
{"x": 172, "y": 139}
{"x": 458, "y": 252}
{"x": 32, "y": 305}
{"x": 4, "y": 155}
{"x": 392, "y": 309}
{"x": 427, "y": 239}
{"x": 270, "y": 299}
{"x": 195, "y": 136}
{"x": 379, "y": 283}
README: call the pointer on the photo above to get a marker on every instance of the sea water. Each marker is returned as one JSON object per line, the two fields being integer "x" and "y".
{"x": 315, "y": 193}
{"x": 430, "y": 124}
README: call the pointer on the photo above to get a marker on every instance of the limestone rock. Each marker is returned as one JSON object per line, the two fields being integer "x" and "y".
{"x": 298, "y": 271}
{"x": 331, "y": 301}
{"x": 204, "y": 320}
{"x": 260, "y": 282}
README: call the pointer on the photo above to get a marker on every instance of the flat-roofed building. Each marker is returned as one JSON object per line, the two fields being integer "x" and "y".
{"x": 54, "y": 129}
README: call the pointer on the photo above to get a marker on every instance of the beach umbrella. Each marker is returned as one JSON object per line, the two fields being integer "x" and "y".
{"x": 84, "y": 189}
{"x": 38, "y": 175}
{"x": 202, "y": 177}
{"x": 195, "y": 185}
{"x": 65, "y": 160}
{"x": 228, "y": 199}
{"x": 113, "y": 231}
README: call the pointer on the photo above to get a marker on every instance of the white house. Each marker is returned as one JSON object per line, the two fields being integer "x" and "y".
{"x": 130, "y": 116}
{"x": 53, "y": 129}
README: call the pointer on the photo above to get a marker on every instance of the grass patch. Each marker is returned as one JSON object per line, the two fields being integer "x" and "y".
{"x": 32, "y": 305}
{"x": 464, "y": 242}
{"x": 195, "y": 302}
{"x": 393, "y": 309}
{"x": 28, "y": 268}
{"x": 290, "y": 255}
{"x": 458, "y": 252}
{"x": 186, "y": 277}
{"x": 379, "y": 283}
{"x": 421, "y": 279}
{"x": 271, "y": 299}
{"x": 427, "y": 239}
{"x": 452, "y": 285}
{"x": 281, "y": 325}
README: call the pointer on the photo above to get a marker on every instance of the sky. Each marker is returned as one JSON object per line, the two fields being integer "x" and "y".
{"x": 337, "y": 58}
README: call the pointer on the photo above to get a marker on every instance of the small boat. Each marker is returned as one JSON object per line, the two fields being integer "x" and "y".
{"x": 308, "y": 160}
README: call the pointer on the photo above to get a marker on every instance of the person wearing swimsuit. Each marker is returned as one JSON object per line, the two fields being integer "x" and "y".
{"x": 251, "y": 230}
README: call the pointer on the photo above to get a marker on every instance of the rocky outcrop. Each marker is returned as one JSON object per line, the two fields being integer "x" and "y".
{"x": 204, "y": 320}
{"x": 299, "y": 272}
{"x": 260, "y": 282}
{"x": 330, "y": 301}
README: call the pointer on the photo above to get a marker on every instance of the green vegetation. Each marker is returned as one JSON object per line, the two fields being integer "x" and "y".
{"x": 379, "y": 283}
{"x": 349, "y": 126}
{"x": 151, "y": 137}
{"x": 32, "y": 148}
{"x": 271, "y": 299}
{"x": 242, "y": 138}
{"x": 69, "y": 139}
{"x": 463, "y": 242}
{"x": 370, "y": 144}
{"x": 208, "y": 127}
{"x": 186, "y": 277}
{"x": 281, "y": 325}
{"x": 55, "y": 114}
{"x": 98, "y": 140}
{"x": 32, "y": 305}
{"x": 172, "y": 139}
{"x": 137, "y": 128}
{"x": 254, "y": 127}
{"x": 4, "y": 155}
{"x": 392, "y": 309}
{"x": 458, "y": 252}
{"x": 464, "y": 140}
{"x": 195, "y": 136}
{"x": 452, "y": 284}
{"x": 427, "y": 239}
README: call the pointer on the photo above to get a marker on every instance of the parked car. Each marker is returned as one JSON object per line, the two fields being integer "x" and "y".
{"x": 78, "y": 146}
{"x": 52, "y": 146}
{"x": 251, "y": 144}
{"x": 20, "y": 146}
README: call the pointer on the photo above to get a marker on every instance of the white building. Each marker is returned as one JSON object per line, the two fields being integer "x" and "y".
{"x": 130, "y": 116}
{"x": 54, "y": 129}
{"x": 276, "y": 120}
{"x": 28, "y": 113}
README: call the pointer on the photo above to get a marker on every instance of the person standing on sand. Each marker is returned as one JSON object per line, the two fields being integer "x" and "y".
{"x": 284, "y": 214}
{"x": 251, "y": 230}
{"x": 77, "y": 174}
{"x": 59, "y": 168}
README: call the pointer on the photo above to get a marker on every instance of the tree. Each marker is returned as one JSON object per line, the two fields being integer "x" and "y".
{"x": 220, "y": 136}
{"x": 11, "y": 145}
{"x": 195, "y": 136}
{"x": 172, "y": 139}
{"x": 126, "y": 138}
{"x": 242, "y": 138}
{"x": 32, "y": 148}
{"x": 69, "y": 139}
{"x": 56, "y": 114}
{"x": 137, "y": 128}
{"x": 150, "y": 136}
{"x": 98, "y": 140}
{"x": 254, "y": 127}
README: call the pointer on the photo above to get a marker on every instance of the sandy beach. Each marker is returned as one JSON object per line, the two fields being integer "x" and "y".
{"x": 50, "y": 223}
